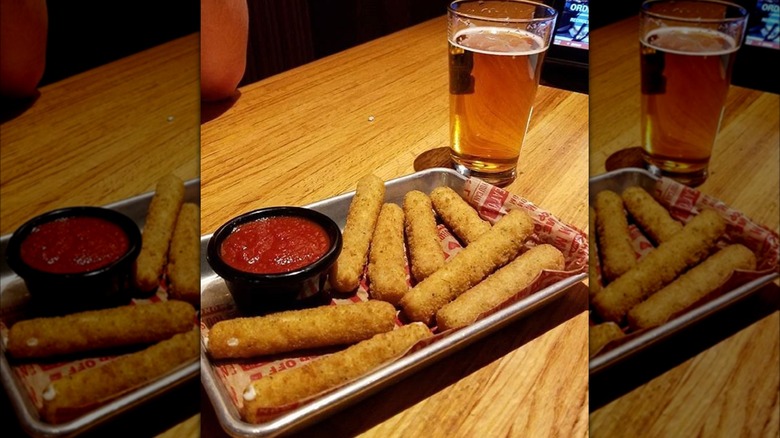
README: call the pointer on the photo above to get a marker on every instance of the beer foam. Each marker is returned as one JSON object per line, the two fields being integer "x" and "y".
{"x": 499, "y": 41}
{"x": 690, "y": 41}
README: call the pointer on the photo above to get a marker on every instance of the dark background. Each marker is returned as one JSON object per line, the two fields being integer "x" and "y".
{"x": 286, "y": 34}
{"x": 84, "y": 34}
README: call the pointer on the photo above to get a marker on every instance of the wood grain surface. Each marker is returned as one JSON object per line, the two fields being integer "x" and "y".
{"x": 100, "y": 137}
{"x": 720, "y": 378}
{"x": 103, "y": 135}
{"x": 311, "y": 132}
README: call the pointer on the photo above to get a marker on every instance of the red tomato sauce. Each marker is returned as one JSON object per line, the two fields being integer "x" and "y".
{"x": 275, "y": 245}
{"x": 73, "y": 245}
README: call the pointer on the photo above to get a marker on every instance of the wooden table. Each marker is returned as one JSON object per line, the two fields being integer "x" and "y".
{"x": 99, "y": 137}
{"x": 722, "y": 378}
{"x": 311, "y": 132}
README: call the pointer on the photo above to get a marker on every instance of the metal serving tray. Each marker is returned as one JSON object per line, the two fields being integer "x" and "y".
{"x": 136, "y": 208}
{"x": 617, "y": 181}
{"x": 320, "y": 408}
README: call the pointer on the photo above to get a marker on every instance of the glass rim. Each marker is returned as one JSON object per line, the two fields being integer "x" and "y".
{"x": 644, "y": 11}
{"x": 553, "y": 11}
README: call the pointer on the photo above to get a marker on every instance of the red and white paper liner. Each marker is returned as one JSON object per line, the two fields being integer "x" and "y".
{"x": 35, "y": 377}
{"x": 492, "y": 203}
{"x": 683, "y": 203}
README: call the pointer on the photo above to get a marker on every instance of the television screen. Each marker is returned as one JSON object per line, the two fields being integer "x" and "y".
{"x": 566, "y": 62}
{"x": 572, "y": 28}
{"x": 764, "y": 25}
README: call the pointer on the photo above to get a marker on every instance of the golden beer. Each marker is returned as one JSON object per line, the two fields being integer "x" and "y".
{"x": 494, "y": 74}
{"x": 686, "y": 72}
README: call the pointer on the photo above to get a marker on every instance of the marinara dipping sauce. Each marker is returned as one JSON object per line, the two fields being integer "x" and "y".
{"x": 75, "y": 258}
{"x": 275, "y": 245}
{"x": 76, "y": 244}
{"x": 275, "y": 258}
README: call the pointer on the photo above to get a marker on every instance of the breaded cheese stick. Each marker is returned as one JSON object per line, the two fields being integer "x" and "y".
{"x": 298, "y": 329}
{"x": 660, "y": 267}
{"x": 387, "y": 262}
{"x": 422, "y": 237}
{"x": 458, "y": 215}
{"x": 651, "y": 216}
{"x": 691, "y": 286}
{"x": 594, "y": 283}
{"x": 157, "y": 232}
{"x": 601, "y": 335}
{"x": 97, "y": 385}
{"x": 184, "y": 256}
{"x": 617, "y": 255}
{"x": 492, "y": 250}
{"x": 98, "y": 329}
{"x": 499, "y": 286}
{"x": 280, "y": 389}
{"x": 356, "y": 238}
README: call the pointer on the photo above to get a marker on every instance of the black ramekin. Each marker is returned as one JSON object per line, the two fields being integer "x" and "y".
{"x": 57, "y": 294}
{"x": 257, "y": 294}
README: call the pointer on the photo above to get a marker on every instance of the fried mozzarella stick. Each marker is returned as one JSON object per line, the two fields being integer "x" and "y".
{"x": 387, "y": 263}
{"x": 602, "y": 334}
{"x": 98, "y": 329}
{"x": 327, "y": 372}
{"x": 157, "y": 232}
{"x": 356, "y": 238}
{"x": 184, "y": 256}
{"x": 660, "y": 267}
{"x": 422, "y": 237}
{"x": 594, "y": 285}
{"x": 691, "y": 286}
{"x": 499, "y": 287}
{"x": 492, "y": 250}
{"x": 298, "y": 329}
{"x": 97, "y": 385}
{"x": 617, "y": 255}
{"x": 458, "y": 215}
{"x": 651, "y": 216}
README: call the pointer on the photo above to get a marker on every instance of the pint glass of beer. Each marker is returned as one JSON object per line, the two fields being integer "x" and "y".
{"x": 496, "y": 50}
{"x": 687, "y": 51}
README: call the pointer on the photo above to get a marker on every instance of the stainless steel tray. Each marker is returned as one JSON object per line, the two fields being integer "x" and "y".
{"x": 617, "y": 181}
{"x": 320, "y": 408}
{"x": 136, "y": 208}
